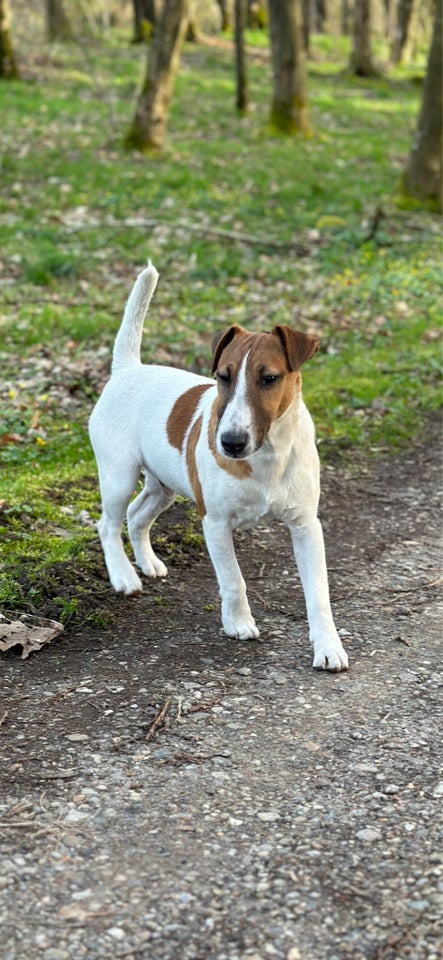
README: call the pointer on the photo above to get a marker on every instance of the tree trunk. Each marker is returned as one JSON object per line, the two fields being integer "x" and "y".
{"x": 8, "y": 64}
{"x": 240, "y": 57}
{"x": 306, "y": 23}
{"x": 321, "y": 15}
{"x": 144, "y": 13}
{"x": 148, "y": 128}
{"x": 224, "y": 12}
{"x": 361, "y": 58}
{"x": 403, "y": 42}
{"x": 423, "y": 176}
{"x": 344, "y": 17}
{"x": 57, "y": 22}
{"x": 257, "y": 16}
{"x": 289, "y": 108}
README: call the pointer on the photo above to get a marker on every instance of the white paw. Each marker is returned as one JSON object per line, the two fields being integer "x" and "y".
{"x": 126, "y": 582}
{"x": 153, "y": 567}
{"x": 241, "y": 628}
{"x": 330, "y": 655}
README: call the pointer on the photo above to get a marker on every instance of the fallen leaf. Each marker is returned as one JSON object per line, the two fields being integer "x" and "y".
{"x": 10, "y": 438}
{"x": 29, "y": 632}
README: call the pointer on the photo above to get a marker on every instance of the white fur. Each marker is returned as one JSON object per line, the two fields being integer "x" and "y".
{"x": 238, "y": 416}
{"x": 129, "y": 437}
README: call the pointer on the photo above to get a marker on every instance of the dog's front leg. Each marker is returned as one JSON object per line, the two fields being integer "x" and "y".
{"x": 237, "y": 618}
{"x": 309, "y": 550}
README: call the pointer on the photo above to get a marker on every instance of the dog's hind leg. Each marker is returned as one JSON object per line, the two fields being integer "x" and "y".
{"x": 116, "y": 491}
{"x": 153, "y": 499}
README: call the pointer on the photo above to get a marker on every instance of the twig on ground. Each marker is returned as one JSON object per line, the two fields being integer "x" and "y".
{"x": 206, "y": 705}
{"x": 159, "y": 721}
{"x": 374, "y": 224}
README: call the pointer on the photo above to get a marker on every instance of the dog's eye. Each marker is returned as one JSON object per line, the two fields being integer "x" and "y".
{"x": 269, "y": 379}
{"x": 223, "y": 377}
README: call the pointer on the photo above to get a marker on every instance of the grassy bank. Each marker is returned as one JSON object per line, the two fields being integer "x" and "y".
{"x": 242, "y": 226}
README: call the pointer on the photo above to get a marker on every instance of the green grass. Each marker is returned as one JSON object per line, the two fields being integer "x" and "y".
{"x": 79, "y": 216}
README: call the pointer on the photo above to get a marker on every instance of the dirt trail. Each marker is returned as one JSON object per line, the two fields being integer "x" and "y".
{"x": 169, "y": 794}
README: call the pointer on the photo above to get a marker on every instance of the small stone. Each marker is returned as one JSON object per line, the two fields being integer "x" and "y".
{"x": 391, "y": 788}
{"x": 368, "y": 834}
{"x": 77, "y": 737}
{"x": 74, "y": 816}
{"x": 6, "y": 882}
{"x": 269, "y": 815}
{"x": 116, "y": 933}
{"x": 54, "y": 953}
{"x": 438, "y": 791}
{"x": 293, "y": 954}
{"x": 419, "y": 905}
{"x": 244, "y": 671}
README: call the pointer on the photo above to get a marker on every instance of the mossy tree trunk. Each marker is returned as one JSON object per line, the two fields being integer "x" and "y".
{"x": 8, "y": 63}
{"x": 240, "y": 57}
{"x": 58, "y": 26}
{"x": 224, "y": 13}
{"x": 289, "y": 107}
{"x": 361, "y": 57}
{"x": 307, "y": 17}
{"x": 148, "y": 128}
{"x": 145, "y": 18}
{"x": 423, "y": 176}
{"x": 406, "y": 23}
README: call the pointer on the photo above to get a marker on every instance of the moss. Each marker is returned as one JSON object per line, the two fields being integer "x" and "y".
{"x": 405, "y": 200}
{"x": 134, "y": 140}
{"x": 8, "y": 64}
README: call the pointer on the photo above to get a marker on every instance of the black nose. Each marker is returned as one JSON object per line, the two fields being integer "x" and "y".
{"x": 234, "y": 443}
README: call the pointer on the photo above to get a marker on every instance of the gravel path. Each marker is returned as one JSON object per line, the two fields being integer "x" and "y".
{"x": 168, "y": 794}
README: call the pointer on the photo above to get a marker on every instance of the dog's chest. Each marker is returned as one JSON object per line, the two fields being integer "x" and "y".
{"x": 260, "y": 501}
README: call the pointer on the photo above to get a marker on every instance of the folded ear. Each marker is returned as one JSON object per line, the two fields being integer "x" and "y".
{"x": 221, "y": 341}
{"x": 298, "y": 346}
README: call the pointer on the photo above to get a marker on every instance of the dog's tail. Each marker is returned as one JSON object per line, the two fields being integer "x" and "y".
{"x": 128, "y": 340}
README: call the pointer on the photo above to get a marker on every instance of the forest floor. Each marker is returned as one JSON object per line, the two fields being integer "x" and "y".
{"x": 169, "y": 793}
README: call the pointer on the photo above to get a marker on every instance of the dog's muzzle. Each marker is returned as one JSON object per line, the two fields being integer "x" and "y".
{"x": 234, "y": 444}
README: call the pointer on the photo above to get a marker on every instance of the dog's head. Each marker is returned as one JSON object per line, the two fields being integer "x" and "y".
{"x": 257, "y": 377}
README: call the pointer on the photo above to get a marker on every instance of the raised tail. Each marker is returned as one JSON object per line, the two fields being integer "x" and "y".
{"x": 127, "y": 344}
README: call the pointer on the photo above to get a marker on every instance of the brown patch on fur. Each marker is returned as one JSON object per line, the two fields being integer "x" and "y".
{"x": 191, "y": 464}
{"x": 298, "y": 347}
{"x": 267, "y": 356}
{"x": 223, "y": 339}
{"x": 182, "y": 413}
{"x": 237, "y": 468}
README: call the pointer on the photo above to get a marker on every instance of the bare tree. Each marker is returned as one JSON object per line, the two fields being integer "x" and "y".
{"x": 148, "y": 128}
{"x": 289, "y": 108}
{"x": 423, "y": 176}
{"x": 361, "y": 57}
{"x": 8, "y": 63}
{"x": 240, "y": 56}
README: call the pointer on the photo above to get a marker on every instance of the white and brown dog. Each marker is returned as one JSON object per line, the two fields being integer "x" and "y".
{"x": 242, "y": 448}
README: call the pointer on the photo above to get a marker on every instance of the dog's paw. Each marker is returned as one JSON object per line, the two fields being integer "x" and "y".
{"x": 330, "y": 655}
{"x": 153, "y": 568}
{"x": 127, "y": 582}
{"x": 241, "y": 629}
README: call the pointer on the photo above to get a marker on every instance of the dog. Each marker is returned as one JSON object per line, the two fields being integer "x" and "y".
{"x": 241, "y": 446}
